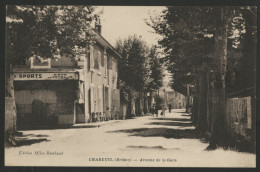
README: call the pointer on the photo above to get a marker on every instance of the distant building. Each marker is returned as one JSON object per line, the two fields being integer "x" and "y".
{"x": 66, "y": 92}
{"x": 170, "y": 96}
{"x": 177, "y": 100}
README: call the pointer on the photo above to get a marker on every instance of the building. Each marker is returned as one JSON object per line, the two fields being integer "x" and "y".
{"x": 176, "y": 99}
{"x": 66, "y": 92}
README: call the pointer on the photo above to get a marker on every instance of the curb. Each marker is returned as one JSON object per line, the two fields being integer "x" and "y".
{"x": 93, "y": 125}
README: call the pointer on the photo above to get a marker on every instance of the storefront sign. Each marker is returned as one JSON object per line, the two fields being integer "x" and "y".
{"x": 45, "y": 76}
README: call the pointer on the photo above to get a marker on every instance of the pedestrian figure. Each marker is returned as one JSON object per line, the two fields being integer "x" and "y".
{"x": 170, "y": 107}
{"x": 163, "y": 110}
{"x": 153, "y": 109}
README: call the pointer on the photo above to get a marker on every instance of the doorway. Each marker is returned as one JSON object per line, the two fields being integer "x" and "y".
{"x": 38, "y": 112}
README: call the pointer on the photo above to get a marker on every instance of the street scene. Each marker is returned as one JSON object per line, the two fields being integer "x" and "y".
{"x": 141, "y": 138}
{"x": 130, "y": 86}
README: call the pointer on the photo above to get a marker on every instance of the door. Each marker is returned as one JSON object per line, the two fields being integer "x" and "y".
{"x": 38, "y": 112}
{"x": 105, "y": 102}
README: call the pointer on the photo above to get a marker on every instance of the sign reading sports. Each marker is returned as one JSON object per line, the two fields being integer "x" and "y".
{"x": 45, "y": 76}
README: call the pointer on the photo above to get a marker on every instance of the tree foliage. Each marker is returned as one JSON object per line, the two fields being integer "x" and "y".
{"x": 140, "y": 67}
{"x": 204, "y": 47}
{"x": 134, "y": 65}
{"x": 156, "y": 70}
{"x": 188, "y": 40}
{"x": 47, "y": 31}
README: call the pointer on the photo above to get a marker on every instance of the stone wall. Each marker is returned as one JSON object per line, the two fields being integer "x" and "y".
{"x": 239, "y": 116}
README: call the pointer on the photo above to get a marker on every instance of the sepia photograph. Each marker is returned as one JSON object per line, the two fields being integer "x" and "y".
{"x": 130, "y": 86}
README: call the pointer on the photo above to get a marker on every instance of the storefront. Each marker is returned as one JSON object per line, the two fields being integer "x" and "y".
{"x": 45, "y": 99}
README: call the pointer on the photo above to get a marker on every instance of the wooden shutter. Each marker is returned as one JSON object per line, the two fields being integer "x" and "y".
{"x": 105, "y": 65}
{"x": 97, "y": 99}
{"x": 91, "y": 58}
{"x": 100, "y": 99}
{"x": 99, "y": 61}
{"x": 92, "y": 103}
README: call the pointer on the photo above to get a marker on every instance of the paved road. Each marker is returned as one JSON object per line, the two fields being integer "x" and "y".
{"x": 143, "y": 141}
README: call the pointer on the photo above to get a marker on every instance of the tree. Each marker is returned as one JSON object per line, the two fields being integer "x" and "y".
{"x": 195, "y": 42}
{"x": 139, "y": 69}
{"x": 156, "y": 70}
{"x": 134, "y": 67}
{"x": 47, "y": 32}
{"x": 156, "y": 74}
{"x": 187, "y": 44}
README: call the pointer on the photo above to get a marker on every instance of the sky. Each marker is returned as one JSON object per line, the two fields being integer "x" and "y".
{"x": 122, "y": 21}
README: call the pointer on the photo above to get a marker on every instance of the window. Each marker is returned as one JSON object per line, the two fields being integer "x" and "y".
{"x": 99, "y": 62}
{"x": 88, "y": 60}
{"x": 110, "y": 63}
{"x": 105, "y": 65}
{"x": 91, "y": 58}
{"x": 100, "y": 99}
{"x": 95, "y": 59}
{"x": 96, "y": 99}
{"x": 92, "y": 99}
{"x": 102, "y": 59}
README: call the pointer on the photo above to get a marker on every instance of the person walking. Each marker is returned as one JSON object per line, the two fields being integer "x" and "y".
{"x": 163, "y": 110}
{"x": 153, "y": 110}
{"x": 170, "y": 107}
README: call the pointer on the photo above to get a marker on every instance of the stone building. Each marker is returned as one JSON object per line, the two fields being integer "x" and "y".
{"x": 67, "y": 92}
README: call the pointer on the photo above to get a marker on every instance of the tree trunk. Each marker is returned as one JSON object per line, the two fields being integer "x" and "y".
{"x": 141, "y": 103}
{"x": 146, "y": 108}
{"x": 188, "y": 99}
{"x": 209, "y": 103}
{"x": 131, "y": 104}
{"x": 10, "y": 108}
{"x": 219, "y": 92}
{"x": 202, "y": 103}
{"x": 194, "y": 114}
{"x": 151, "y": 102}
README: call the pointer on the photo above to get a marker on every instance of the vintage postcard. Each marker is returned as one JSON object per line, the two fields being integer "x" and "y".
{"x": 130, "y": 86}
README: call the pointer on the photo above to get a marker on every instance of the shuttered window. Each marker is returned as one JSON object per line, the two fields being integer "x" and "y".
{"x": 105, "y": 65}
{"x": 92, "y": 103}
{"x": 99, "y": 61}
{"x": 97, "y": 100}
{"x": 100, "y": 99}
{"x": 91, "y": 58}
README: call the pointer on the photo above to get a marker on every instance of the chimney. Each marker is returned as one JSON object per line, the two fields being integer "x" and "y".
{"x": 98, "y": 25}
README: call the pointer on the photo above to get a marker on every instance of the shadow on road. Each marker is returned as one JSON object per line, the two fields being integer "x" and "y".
{"x": 161, "y": 132}
{"x": 33, "y": 135}
{"x": 182, "y": 130}
{"x": 181, "y": 124}
{"x": 172, "y": 119}
{"x": 147, "y": 147}
{"x": 176, "y": 112}
{"x": 27, "y": 139}
{"x": 186, "y": 115}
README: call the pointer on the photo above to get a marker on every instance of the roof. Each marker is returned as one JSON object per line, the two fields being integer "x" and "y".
{"x": 100, "y": 39}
